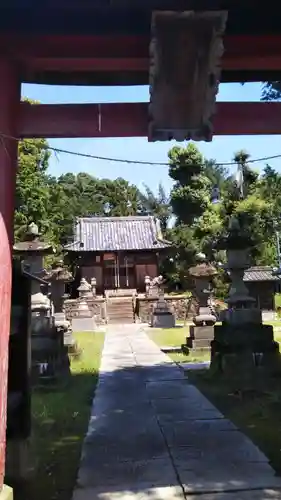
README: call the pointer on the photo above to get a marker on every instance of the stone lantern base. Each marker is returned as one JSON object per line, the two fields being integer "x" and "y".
{"x": 161, "y": 316}
{"x": 244, "y": 349}
{"x": 200, "y": 337}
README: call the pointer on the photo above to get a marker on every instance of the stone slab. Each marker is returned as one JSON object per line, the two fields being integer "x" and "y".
{"x": 83, "y": 325}
{"x": 158, "y": 373}
{"x": 120, "y": 427}
{"x": 124, "y": 474}
{"x": 206, "y": 477}
{"x": 137, "y": 492}
{"x": 250, "y": 494}
{"x": 171, "y": 349}
{"x": 228, "y": 445}
{"x": 195, "y": 366}
{"x": 170, "y": 389}
{"x": 183, "y": 429}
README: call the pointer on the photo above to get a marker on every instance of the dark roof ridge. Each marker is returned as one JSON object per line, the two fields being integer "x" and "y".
{"x": 115, "y": 217}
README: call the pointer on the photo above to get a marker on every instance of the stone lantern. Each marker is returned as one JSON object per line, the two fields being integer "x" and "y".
{"x": 58, "y": 277}
{"x": 84, "y": 320}
{"x": 241, "y": 343}
{"x": 33, "y": 250}
{"x": 49, "y": 358}
{"x": 202, "y": 332}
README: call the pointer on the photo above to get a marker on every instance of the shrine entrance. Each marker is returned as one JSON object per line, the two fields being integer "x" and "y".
{"x": 118, "y": 272}
{"x": 178, "y": 53}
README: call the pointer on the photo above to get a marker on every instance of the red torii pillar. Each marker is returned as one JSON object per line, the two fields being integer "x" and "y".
{"x": 9, "y": 105}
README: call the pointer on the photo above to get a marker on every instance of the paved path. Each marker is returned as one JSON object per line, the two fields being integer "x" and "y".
{"x": 154, "y": 437}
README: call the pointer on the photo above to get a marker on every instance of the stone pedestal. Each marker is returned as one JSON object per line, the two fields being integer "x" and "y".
{"x": 238, "y": 349}
{"x": 161, "y": 316}
{"x": 200, "y": 337}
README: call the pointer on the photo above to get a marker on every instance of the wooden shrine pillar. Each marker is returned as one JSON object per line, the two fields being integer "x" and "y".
{"x": 9, "y": 106}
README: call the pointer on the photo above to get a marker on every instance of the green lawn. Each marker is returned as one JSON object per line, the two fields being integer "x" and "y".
{"x": 60, "y": 421}
{"x": 176, "y": 337}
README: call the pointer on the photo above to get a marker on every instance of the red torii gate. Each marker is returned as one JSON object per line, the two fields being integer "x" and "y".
{"x": 107, "y": 43}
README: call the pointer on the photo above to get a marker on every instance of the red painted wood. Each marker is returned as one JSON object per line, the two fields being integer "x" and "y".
{"x": 72, "y": 64}
{"x": 90, "y": 120}
{"x": 75, "y": 46}
{"x": 131, "y": 119}
{"x": 9, "y": 100}
{"x": 128, "y": 53}
{"x": 117, "y": 64}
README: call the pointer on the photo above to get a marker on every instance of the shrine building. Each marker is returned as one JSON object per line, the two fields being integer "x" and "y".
{"x": 117, "y": 251}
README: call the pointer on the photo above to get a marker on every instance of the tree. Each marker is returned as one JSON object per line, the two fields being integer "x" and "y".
{"x": 157, "y": 205}
{"x": 249, "y": 175}
{"x": 181, "y": 256}
{"x": 191, "y": 192}
{"x": 271, "y": 91}
{"x": 190, "y": 197}
{"x": 119, "y": 197}
{"x": 32, "y": 200}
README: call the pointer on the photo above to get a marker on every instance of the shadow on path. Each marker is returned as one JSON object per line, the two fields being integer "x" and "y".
{"x": 154, "y": 436}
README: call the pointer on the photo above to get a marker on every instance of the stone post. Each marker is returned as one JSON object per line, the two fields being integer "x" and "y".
{"x": 94, "y": 286}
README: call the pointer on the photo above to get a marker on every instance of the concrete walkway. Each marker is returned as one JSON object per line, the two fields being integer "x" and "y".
{"x": 153, "y": 437}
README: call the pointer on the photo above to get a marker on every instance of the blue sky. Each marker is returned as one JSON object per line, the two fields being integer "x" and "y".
{"x": 221, "y": 148}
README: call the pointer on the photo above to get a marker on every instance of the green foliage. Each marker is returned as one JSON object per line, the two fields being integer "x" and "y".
{"x": 271, "y": 91}
{"x": 32, "y": 193}
{"x": 157, "y": 205}
{"x": 54, "y": 204}
{"x": 191, "y": 192}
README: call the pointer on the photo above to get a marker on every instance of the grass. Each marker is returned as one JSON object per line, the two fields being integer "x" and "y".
{"x": 176, "y": 337}
{"x": 254, "y": 408}
{"x": 59, "y": 423}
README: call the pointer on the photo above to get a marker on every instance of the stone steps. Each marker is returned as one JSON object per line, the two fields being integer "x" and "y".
{"x": 120, "y": 311}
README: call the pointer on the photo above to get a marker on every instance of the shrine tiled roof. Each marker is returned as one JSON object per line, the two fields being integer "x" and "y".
{"x": 260, "y": 273}
{"x": 105, "y": 234}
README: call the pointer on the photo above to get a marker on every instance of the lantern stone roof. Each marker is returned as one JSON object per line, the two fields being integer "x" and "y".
{"x": 202, "y": 270}
{"x": 260, "y": 273}
{"x": 58, "y": 274}
{"x": 35, "y": 246}
{"x": 107, "y": 234}
{"x": 32, "y": 243}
